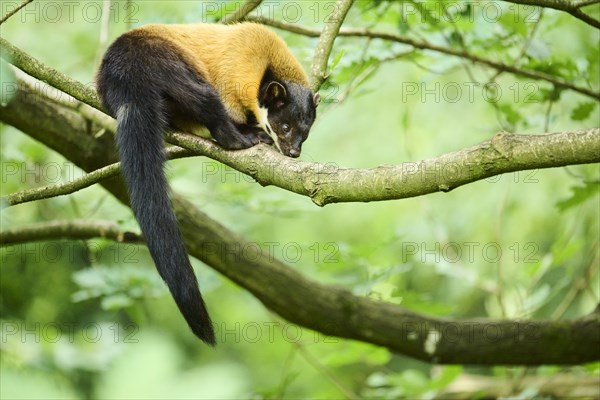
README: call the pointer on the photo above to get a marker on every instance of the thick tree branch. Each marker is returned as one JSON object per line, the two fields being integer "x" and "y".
{"x": 326, "y": 184}
{"x": 422, "y": 45}
{"x": 74, "y": 230}
{"x": 330, "y": 184}
{"x": 337, "y": 312}
{"x": 327, "y": 309}
{"x": 325, "y": 45}
{"x": 52, "y": 77}
{"x": 571, "y": 7}
{"x": 241, "y": 12}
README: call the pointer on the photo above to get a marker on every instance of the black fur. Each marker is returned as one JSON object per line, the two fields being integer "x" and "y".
{"x": 140, "y": 94}
{"x": 293, "y": 105}
{"x": 145, "y": 83}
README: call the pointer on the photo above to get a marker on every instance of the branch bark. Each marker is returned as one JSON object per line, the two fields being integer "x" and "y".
{"x": 327, "y": 309}
{"x": 331, "y": 184}
{"x": 52, "y": 77}
{"x": 75, "y": 230}
{"x": 326, "y": 184}
{"x": 325, "y": 45}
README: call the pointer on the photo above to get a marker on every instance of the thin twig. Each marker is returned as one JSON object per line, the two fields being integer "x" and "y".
{"x": 241, "y": 12}
{"x": 581, "y": 285}
{"x": 13, "y": 12}
{"x": 461, "y": 42}
{"x": 548, "y": 115}
{"x": 325, "y": 45}
{"x": 285, "y": 373}
{"x": 476, "y": 59}
{"x": 316, "y": 364}
{"x": 362, "y": 77}
{"x": 104, "y": 24}
{"x": 569, "y": 7}
{"x": 524, "y": 49}
{"x": 422, "y": 45}
{"x": 583, "y": 3}
{"x": 61, "y": 189}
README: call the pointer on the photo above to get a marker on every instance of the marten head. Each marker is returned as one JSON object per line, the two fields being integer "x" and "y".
{"x": 289, "y": 110}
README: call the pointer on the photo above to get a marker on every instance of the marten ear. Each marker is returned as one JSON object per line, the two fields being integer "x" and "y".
{"x": 316, "y": 99}
{"x": 275, "y": 95}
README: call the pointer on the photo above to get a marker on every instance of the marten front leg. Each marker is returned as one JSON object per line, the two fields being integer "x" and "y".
{"x": 255, "y": 132}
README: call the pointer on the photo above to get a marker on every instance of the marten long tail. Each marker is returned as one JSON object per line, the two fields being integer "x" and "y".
{"x": 138, "y": 93}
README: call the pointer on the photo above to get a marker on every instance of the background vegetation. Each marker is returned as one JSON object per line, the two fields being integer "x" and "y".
{"x": 91, "y": 319}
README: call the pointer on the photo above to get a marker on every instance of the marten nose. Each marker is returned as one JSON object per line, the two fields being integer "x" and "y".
{"x": 294, "y": 153}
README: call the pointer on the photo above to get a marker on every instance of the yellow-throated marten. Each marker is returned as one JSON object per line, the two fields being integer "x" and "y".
{"x": 239, "y": 81}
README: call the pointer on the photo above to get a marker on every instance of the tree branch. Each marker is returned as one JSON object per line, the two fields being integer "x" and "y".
{"x": 241, "y": 12}
{"x": 52, "y": 77}
{"x": 327, "y": 309}
{"x": 330, "y": 184}
{"x": 61, "y": 189}
{"x": 422, "y": 45}
{"x": 571, "y": 7}
{"x": 562, "y": 385}
{"x": 325, "y": 45}
{"x": 326, "y": 184}
{"x": 13, "y": 12}
{"x": 584, "y": 3}
{"x": 74, "y": 230}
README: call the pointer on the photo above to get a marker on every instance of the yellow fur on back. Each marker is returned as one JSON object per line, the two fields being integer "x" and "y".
{"x": 232, "y": 58}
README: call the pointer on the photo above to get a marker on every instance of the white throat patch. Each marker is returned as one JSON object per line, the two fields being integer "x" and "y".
{"x": 263, "y": 123}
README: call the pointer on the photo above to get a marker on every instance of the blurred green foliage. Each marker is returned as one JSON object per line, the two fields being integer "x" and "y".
{"x": 92, "y": 319}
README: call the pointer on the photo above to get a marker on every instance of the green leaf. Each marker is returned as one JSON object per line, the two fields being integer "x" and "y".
{"x": 538, "y": 49}
{"x": 336, "y": 59}
{"x": 349, "y": 353}
{"x": 537, "y": 298}
{"x": 580, "y": 194}
{"x": 448, "y": 374}
{"x": 385, "y": 291}
{"x": 513, "y": 117}
{"x": 583, "y": 111}
{"x": 426, "y": 11}
{"x": 116, "y": 302}
{"x": 116, "y": 287}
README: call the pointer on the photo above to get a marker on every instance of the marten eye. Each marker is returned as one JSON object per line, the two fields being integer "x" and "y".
{"x": 286, "y": 128}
